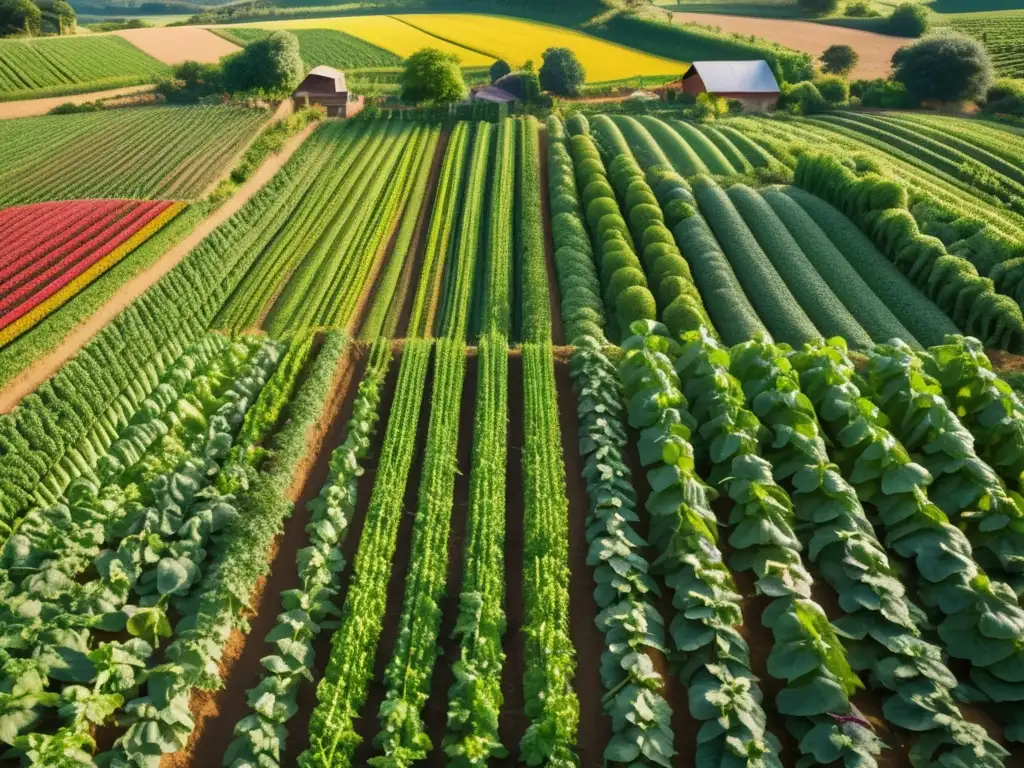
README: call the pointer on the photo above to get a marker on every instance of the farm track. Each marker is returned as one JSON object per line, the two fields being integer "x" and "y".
{"x": 35, "y": 107}
{"x": 217, "y": 712}
{"x": 49, "y": 364}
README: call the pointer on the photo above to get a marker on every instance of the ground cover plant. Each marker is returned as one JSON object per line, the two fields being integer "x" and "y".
{"x": 31, "y": 69}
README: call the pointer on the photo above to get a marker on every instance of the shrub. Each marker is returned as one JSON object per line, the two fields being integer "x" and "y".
{"x": 615, "y": 261}
{"x": 908, "y": 20}
{"x": 70, "y": 108}
{"x": 860, "y": 9}
{"x": 431, "y": 77}
{"x": 588, "y": 328}
{"x": 638, "y": 193}
{"x": 190, "y": 82}
{"x": 564, "y": 203}
{"x": 656, "y": 251}
{"x": 644, "y": 215}
{"x": 611, "y": 222}
{"x": 634, "y": 303}
{"x": 499, "y": 69}
{"x": 803, "y": 98}
{"x": 578, "y": 298}
{"x": 881, "y": 93}
{"x": 596, "y": 190}
{"x": 525, "y": 85}
{"x": 834, "y": 89}
{"x": 1005, "y": 97}
{"x": 677, "y": 210}
{"x": 562, "y": 72}
{"x": 621, "y": 279}
{"x": 839, "y": 60}
{"x": 681, "y": 316}
{"x": 672, "y": 287}
{"x": 599, "y": 208}
{"x": 269, "y": 67}
{"x": 670, "y": 265}
{"x": 945, "y": 67}
{"x": 20, "y": 17}
{"x": 656, "y": 233}
{"x": 577, "y": 125}
{"x": 819, "y": 7}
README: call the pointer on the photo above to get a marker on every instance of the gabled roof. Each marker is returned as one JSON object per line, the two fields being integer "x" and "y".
{"x": 495, "y": 94}
{"x": 331, "y": 74}
{"x": 736, "y": 76}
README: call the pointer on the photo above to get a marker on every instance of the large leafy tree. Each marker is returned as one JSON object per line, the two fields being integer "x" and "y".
{"x": 19, "y": 17}
{"x": 432, "y": 77}
{"x": 561, "y": 72}
{"x": 839, "y": 60}
{"x": 270, "y": 66}
{"x": 945, "y": 67}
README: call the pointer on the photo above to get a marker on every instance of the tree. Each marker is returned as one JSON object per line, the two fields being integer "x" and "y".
{"x": 270, "y": 67}
{"x": 839, "y": 60}
{"x": 525, "y": 85}
{"x": 499, "y": 69}
{"x": 908, "y": 20}
{"x": 945, "y": 67}
{"x": 819, "y": 7}
{"x": 561, "y": 72}
{"x": 20, "y": 17}
{"x": 432, "y": 77}
{"x": 66, "y": 18}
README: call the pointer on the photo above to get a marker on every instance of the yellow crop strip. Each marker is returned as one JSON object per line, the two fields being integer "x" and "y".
{"x": 516, "y": 40}
{"x": 383, "y": 31}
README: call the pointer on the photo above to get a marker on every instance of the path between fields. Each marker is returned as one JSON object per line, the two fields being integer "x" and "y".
{"x": 875, "y": 50}
{"x": 46, "y": 366}
{"x": 33, "y": 107}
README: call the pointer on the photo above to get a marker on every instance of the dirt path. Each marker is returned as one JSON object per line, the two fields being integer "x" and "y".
{"x": 174, "y": 45}
{"x": 46, "y": 366}
{"x": 875, "y": 50}
{"x": 34, "y": 107}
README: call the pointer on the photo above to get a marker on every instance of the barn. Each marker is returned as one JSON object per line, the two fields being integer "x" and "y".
{"x": 326, "y": 86}
{"x": 751, "y": 83}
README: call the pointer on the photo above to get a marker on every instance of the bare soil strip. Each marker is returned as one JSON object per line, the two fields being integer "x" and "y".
{"x": 557, "y": 331}
{"x": 512, "y": 722}
{"x": 175, "y": 45}
{"x": 49, "y": 364}
{"x": 875, "y": 50}
{"x": 216, "y": 713}
{"x": 35, "y": 107}
{"x": 595, "y": 729}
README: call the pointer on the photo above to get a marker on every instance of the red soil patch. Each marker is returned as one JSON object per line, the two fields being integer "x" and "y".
{"x": 875, "y": 50}
{"x": 47, "y": 365}
{"x": 175, "y": 45}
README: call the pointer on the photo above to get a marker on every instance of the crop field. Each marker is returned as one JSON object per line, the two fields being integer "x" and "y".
{"x": 158, "y": 152}
{"x": 323, "y": 46}
{"x": 1003, "y": 36}
{"x": 615, "y": 441}
{"x": 52, "y": 67}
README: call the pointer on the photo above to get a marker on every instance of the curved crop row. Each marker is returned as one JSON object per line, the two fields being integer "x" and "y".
{"x": 979, "y": 619}
{"x": 684, "y": 159}
{"x": 882, "y": 626}
{"x": 716, "y": 162}
{"x": 724, "y": 694}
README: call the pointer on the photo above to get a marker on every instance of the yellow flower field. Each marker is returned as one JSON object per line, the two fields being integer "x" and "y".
{"x": 383, "y": 31}
{"x": 516, "y": 40}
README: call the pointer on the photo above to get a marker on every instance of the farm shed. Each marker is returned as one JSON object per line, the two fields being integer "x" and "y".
{"x": 751, "y": 83}
{"x": 326, "y": 86}
{"x": 493, "y": 94}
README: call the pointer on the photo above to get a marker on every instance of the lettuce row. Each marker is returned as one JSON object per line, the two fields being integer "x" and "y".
{"x": 59, "y": 543}
{"x": 979, "y": 620}
{"x": 807, "y": 652}
{"x": 984, "y": 403}
{"x": 715, "y": 659}
{"x": 965, "y": 487}
{"x": 342, "y": 690}
{"x": 403, "y": 737}
{"x": 475, "y": 698}
{"x": 641, "y": 718}
{"x": 309, "y": 609}
{"x": 881, "y": 624}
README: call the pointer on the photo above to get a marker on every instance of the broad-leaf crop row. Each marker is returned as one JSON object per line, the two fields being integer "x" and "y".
{"x": 551, "y": 705}
{"x": 342, "y": 691}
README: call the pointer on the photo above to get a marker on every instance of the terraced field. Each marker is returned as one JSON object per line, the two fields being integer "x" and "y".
{"x": 613, "y": 441}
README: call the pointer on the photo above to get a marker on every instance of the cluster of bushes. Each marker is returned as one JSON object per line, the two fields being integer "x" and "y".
{"x": 580, "y": 289}
{"x": 623, "y": 284}
{"x": 267, "y": 68}
{"x": 822, "y": 93}
{"x": 20, "y": 18}
{"x": 1005, "y": 97}
{"x": 880, "y": 207}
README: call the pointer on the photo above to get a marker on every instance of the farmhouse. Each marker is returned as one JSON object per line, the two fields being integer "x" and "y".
{"x": 326, "y": 86}
{"x": 749, "y": 82}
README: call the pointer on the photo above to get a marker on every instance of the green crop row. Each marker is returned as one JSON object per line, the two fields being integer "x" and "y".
{"x": 878, "y": 205}
{"x": 328, "y": 47}
{"x": 534, "y": 306}
{"x": 551, "y": 706}
{"x": 497, "y": 293}
{"x": 342, "y": 691}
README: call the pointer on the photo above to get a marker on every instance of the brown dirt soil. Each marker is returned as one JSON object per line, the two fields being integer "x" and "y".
{"x": 435, "y": 716}
{"x": 595, "y": 729}
{"x": 875, "y": 50}
{"x": 49, "y": 364}
{"x": 174, "y": 45}
{"x": 557, "y": 331}
{"x": 367, "y": 726}
{"x": 217, "y": 712}
{"x": 34, "y": 107}
{"x": 419, "y": 238}
{"x": 1005, "y": 362}
{"x": 512, "y": 722}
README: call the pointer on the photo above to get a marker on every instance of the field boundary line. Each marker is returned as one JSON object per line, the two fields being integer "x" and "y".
{"x": 27, "y": 381}
{"x": 11, "y": 110}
